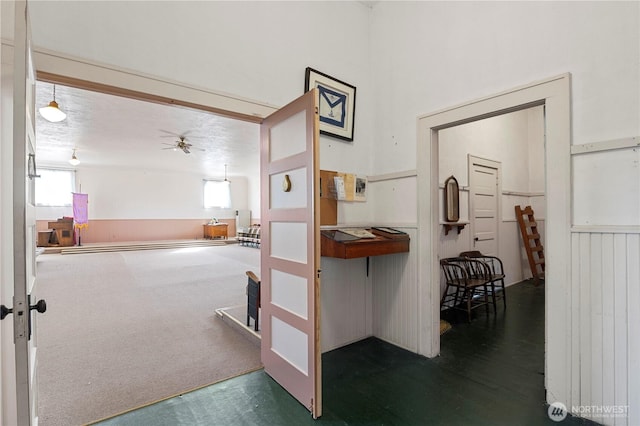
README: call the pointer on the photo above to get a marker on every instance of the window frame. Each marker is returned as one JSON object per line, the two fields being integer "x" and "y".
{"x": 43, "y": 172}
{"x": 216, "y": 202}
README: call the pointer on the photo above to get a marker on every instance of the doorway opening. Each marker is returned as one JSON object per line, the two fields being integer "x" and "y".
{"x": 184, "y": 259}
{"x": 554, "y": 95}
{"x": 499, "y": 162}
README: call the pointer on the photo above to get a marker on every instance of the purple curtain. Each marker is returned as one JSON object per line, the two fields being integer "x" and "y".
{"x": 80, "y": 210}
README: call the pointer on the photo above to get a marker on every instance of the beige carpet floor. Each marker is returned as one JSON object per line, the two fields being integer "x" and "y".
{"x": 128, "y": 328}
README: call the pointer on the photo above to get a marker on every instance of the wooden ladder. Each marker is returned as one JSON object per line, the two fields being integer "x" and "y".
{"x": 531, "y": 241}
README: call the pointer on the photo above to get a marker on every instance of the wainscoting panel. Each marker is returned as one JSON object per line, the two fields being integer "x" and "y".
{"x": 123, "y": 230}
{"x": 395, "y": 296}
{"x": 345, "y": 314}
{"x": 605, "y": 322}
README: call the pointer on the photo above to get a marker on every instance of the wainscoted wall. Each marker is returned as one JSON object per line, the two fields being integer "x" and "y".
{"x": 382, "y": 304}
{"x": 122, "y": 230}
{"x": 605, "y": 320}
{"x": 395, "y": 295}
{"x": 346, "y": 312}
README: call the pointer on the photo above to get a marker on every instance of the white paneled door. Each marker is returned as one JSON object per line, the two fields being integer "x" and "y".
{"x": 484, "y": 204}
{"x": 290, "y": 250}
{"x": 18, "y": 309}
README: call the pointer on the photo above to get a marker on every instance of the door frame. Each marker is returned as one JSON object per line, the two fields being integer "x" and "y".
{"x": 490, "y": 164}
{"x": 58, "y": 68}
{"x": 80, "y": 73}
{"x": 555, "y": 94}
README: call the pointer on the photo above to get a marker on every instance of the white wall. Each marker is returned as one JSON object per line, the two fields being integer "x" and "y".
{"x": 146, "y": 194}
{"x": 454, "y": 52}
{"x": 607, "y": 187}
{"x": 120, "y": 193}
{"x": 257, "y": 50}
{"x": 405, "y": 58}
{"x": 427, "y": 56}
{"x": 431, "y": 55}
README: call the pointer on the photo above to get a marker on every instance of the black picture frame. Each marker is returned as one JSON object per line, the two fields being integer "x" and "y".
{"x": 336, "y": 104}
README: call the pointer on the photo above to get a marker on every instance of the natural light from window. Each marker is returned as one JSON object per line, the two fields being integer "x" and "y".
{"x": 217, "y": 194}
{"x": 54, "y": 188}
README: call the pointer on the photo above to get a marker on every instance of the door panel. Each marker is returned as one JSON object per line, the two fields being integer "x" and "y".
{"x": 288, "y": 292}
{"x": 296, "y": 197}
{"x": 290, "y": 250}
{"x": 288, "y": 241}
{"x": 283, "y": 143}
{"x": 484, "y": 198}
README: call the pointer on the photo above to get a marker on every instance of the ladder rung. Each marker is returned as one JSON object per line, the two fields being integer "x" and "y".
{"x": 533, "y": 236}
{"x": 537, "y": 248}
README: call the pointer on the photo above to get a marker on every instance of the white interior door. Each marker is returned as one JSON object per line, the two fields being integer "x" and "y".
{"x": 484, "y": 203}
{"x": 24, "y": 222}
{"x": 290, "y": 250}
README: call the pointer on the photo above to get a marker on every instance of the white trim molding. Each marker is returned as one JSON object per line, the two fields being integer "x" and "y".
{"x": 65, "y": 69}
{"x": 605, "y": 229}
{"x": 523, "y": 194}
{"x": 588, "y": 148}
{"x": 392, "y": 176}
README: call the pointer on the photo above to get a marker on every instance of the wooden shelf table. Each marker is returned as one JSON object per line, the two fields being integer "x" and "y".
{"x": 218, "y": 230}
{"x": 337, "y": 244}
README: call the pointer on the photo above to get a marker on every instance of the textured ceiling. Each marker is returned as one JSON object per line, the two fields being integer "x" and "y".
{"x": 111, "y": 131}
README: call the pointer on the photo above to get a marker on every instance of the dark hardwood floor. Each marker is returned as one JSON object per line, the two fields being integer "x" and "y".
{"x": 490, "y": 372}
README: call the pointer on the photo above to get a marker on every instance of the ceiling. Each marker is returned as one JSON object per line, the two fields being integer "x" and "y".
{"x": 112, "y": 131}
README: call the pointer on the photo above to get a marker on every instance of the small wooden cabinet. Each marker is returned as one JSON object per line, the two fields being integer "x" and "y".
{"x": 218, "y": 230}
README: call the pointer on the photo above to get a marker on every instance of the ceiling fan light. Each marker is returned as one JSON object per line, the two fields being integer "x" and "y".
{"x": 52, "y": 113}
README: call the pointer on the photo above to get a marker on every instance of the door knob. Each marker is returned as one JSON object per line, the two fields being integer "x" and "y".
{"x": 40, "y": 306}
{"x": 4, "y": 311}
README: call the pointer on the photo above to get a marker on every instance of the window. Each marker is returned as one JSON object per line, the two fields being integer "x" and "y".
{"x": 217, "y": 194}
{"x": 54, "y": 187}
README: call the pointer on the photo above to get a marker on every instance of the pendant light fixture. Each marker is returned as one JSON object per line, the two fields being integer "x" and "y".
{"x": 51, "y": 112}
{"x": 74, "y": 160}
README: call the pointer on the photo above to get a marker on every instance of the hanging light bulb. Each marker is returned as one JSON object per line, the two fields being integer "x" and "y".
{"x": 74, "y": 160}
{"x": 51, "y": 112}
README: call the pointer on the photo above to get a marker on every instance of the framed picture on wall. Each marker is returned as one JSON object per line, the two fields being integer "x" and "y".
{"x": 337, "y": 104}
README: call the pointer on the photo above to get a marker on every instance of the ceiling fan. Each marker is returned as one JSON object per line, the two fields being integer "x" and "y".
{"x": 182, "y": 144}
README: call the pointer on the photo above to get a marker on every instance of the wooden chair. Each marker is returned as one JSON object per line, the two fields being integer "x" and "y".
{"x": 497, "y": 273}
{"x": 470, "y": 279}
{"x": 253, "y": 299}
